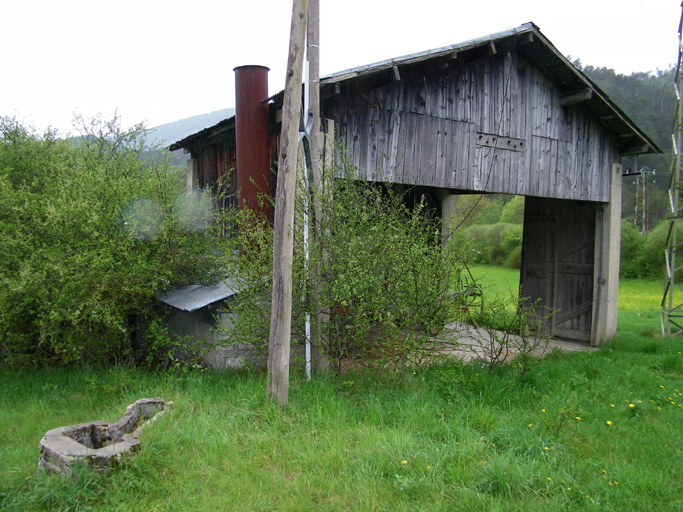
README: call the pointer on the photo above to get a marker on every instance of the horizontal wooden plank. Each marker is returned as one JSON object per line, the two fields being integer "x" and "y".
{"x": 500, "y": 142}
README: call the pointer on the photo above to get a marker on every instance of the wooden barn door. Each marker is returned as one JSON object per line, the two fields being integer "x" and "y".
{"x": 558, "y": 253}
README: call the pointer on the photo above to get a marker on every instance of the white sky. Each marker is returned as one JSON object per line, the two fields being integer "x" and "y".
{"x": 160, "y": 61}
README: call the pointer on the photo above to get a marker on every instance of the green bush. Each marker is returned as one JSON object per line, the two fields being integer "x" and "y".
{"x": 632, "y": 243}
{"x": 382, "y": 276}
{"x": 652, "y": 259}
{"x": 513, "y": 212}
{"x": 90, "y": 233}
{"x": 493, "y": 244}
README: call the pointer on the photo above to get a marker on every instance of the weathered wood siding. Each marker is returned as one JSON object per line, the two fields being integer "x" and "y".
{"x": 493, "y": 125}
{"x": 218, "y": 158}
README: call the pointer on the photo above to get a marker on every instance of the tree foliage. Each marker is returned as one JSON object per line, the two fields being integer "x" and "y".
{"x": 90, "y": 233}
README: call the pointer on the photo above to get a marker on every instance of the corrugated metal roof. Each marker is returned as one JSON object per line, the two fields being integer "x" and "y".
{"x": 196, "y": 296}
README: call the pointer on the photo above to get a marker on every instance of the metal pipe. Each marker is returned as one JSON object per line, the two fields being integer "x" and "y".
{"x": 251, "y": 132}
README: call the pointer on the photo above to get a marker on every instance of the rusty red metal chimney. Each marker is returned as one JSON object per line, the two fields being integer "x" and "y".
{"x": 251, "y": 132}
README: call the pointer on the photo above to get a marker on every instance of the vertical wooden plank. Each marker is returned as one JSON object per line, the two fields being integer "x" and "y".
{"x": 429, "y": 145}
{"x": 444, "y": 129}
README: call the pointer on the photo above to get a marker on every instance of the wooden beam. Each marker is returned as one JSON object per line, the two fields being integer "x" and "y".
{"x": 578, "y": 97}
{"x": 492, "y": 48}
{"x": 498, "y": 142}
{"x": 637, "y": 150}
{"x": 526, "y": 39}
{"x": 283, "y": 229}
{"x": 397, "y": 75}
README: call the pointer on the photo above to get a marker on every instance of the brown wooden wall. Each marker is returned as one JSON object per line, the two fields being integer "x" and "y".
{"x": 493, "y": 125}
{"x": 218, "y": 158}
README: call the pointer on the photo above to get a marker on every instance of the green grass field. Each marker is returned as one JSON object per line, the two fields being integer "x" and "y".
{"x": 596, "y": 431}
{"x": 639, "y": 300}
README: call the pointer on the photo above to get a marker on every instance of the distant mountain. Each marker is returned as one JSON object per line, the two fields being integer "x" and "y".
{"x": 172, "y": 132}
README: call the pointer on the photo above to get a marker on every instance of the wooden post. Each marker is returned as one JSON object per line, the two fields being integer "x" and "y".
{"x": 316, "y": 144}
{"x": 283, "y": 235}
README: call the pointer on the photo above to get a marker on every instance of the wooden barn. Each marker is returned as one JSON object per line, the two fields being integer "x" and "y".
{"x": 506, "y": 113}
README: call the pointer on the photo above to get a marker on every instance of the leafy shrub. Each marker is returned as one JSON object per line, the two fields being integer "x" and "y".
{"x": 473, "y": 209}
{"x": 493, "y": 244}
{"x": 382, "y": 276}
{"x": 90, "y": 233}
{"x": 652, "y": 252}
{"x": 632, "y": 243}
{"x": 514, "y": 259}
{"x": 513, "y": 212}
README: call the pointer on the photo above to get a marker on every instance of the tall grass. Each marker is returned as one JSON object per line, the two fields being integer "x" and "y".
{"x": 590, "y": 431}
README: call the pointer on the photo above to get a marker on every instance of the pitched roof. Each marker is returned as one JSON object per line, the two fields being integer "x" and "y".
{"x": 528, "y": 40}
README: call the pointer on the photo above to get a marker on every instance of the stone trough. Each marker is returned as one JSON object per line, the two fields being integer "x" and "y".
{"x": 99, "y": 444}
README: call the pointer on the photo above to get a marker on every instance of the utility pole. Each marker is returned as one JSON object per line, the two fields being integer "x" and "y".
{"x": 316, "y": 148}
{"x": 283, "y": 229}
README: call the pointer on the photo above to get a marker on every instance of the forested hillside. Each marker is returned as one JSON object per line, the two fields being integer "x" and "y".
{"x": 649, "y": 100}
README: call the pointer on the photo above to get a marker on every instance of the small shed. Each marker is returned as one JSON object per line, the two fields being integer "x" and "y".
{"x": 198, "y": 313}
{"x": 505, "y": 113}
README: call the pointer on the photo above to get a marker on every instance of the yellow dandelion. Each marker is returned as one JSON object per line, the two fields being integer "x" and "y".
{"x": 569, "y": 488}
{"x": 640, "y": 401}
{"x": 531, "y": 424}
{"x": 604, "y": 471}
{"x": 578, "y": 418}
{"x": 542, "y": 410}
{"x": 404, "y": 462}
{"x": 611, "y": 405}
{"x": 610, "y": 483}
{"x": 663, "y": 386}
{"x": 616, "y": 483}
{"x": 609, "y": 422}
{"x": 631, "y": 405}
{"x": 429, "y": 467}
{"x": 546, "y": 448}
{"x": 550, "y": 479}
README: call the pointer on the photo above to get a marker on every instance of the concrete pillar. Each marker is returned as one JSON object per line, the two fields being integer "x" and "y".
{"x": 192, "y": 173}
{"x": 606, "y": 275}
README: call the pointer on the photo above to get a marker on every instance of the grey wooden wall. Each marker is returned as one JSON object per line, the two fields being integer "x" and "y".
{"x": 493, "y": 125}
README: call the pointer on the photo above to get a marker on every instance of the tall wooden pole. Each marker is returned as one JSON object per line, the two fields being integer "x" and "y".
{"x": 283, "y": 235}
{"x": 316, "y": 145}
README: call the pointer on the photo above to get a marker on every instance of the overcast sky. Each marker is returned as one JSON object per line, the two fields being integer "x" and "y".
{"x": 160, "y": 61}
